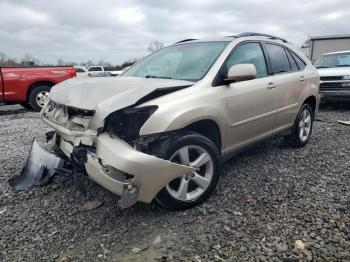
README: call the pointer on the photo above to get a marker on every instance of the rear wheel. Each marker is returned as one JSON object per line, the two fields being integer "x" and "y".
{"x": 302, "y": 128}
{"x": 191, "y": 189}
{"x": 38, "y": 97}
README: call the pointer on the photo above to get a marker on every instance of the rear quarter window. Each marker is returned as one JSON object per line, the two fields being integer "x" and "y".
{"x": 293, "y": 63}
{"x": 301, "y": 64}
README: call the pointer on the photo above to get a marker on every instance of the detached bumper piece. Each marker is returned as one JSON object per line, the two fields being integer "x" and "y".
{"x": 39, "y": 168}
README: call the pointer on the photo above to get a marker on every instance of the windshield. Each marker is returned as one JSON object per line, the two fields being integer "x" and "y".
{"x": 333, "y": 60}
{"x": 189, "y": 61}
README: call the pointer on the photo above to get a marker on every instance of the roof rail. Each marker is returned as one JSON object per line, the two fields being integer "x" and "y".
{"x": 185, "y": 40}
{"x": 247, "y": 34}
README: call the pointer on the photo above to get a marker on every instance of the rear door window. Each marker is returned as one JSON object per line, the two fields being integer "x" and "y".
{"x": 278, "y": 59}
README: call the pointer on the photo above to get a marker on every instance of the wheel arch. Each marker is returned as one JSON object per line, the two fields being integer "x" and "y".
{"x": 208, "y": 128}
{"x": 207, "y": 121}
{"x": 311, "y": 100}
{"x": 38, "y": 83}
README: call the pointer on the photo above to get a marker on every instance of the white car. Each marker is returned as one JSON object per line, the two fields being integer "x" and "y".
{"x": 334, "y": 71}
{"x": 96, "y": 71}
{"x": 81, "y": 71}
{"x": 116, "y": 73}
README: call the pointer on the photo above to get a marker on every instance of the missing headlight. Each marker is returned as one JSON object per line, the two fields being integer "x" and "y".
{"x": 126, "y": 123}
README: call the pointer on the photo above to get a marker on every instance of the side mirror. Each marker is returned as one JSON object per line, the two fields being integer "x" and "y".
{"x": 241, "y": 72}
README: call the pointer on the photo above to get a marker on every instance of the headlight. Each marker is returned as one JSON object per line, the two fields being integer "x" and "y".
{"x": 346, "y": 77}
{"x": 126, "y": 123}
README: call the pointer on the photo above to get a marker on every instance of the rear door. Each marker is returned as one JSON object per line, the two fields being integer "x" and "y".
{"x": 289, "y": 83}
{"x": 251, "y": 105}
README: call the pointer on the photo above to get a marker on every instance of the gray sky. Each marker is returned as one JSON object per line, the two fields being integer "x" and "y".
{"x": 116, "y": 30}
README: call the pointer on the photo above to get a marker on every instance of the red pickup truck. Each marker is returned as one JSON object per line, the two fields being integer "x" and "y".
{"x": 29, "y": 86}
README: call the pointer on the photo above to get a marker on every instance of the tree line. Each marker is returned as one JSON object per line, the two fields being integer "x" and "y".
{"x": 30, "y": 60}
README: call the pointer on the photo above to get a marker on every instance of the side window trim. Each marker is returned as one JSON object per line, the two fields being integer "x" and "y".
{"x": 290, "y": 56}
{"x": 216, "y": 81}
{"x": 302, "y": 60}
{"x": 267, "y": 58}
{"x": 267, "y": 64}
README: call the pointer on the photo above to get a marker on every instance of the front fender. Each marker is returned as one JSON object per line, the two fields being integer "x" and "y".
{"x": 163, "y": 121}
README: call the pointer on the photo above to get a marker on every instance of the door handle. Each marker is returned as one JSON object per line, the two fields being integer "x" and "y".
{"x": 271, "y": 85}
{"x": 302, "y": 78}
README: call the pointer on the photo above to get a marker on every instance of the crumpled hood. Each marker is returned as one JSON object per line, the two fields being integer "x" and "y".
{"x": 111, "y": 92}
{"x": 335, "y": 71}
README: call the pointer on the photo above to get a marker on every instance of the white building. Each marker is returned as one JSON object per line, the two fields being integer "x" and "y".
{"x": 325, "y": 44}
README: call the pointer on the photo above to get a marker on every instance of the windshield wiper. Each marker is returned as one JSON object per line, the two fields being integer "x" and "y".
{"x": 162, "y": 77}
{"x": 322, "y": 67}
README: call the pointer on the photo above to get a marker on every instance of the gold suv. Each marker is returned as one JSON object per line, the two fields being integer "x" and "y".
{"x": 163, "y": 128}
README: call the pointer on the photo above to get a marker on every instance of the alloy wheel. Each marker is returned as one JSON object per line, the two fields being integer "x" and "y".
{"x": 305, "y": 125}
{"x": 192, "y": 185}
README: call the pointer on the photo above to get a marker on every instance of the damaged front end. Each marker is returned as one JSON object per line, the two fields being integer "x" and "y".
{"x": 114, "y": 157}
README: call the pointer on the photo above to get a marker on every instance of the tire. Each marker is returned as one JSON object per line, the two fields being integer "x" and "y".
{"x": 26, "y": 105}
{"x": 37, "y": 96}
{"x": 298, "y": 137}
{"x": 207, "y": 175}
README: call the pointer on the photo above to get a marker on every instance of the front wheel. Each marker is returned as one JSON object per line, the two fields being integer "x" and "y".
{"x": 189, "y": 190}
{"x": 302, "y": 128}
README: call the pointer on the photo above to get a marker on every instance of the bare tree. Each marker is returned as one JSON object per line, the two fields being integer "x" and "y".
{"x": 28, "y": 59}
{"x": 11, "y": 62}
{"x": 3, "y": 58}
{"x": 101, "y": 62}
{"x": 60, "y": 62}
{"x": 71, "y": 63}
{"x": 87, "y": 63}
{"x": 154, "y": 46}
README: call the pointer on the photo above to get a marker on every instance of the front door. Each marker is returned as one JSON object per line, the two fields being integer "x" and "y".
{"x": 251, "y": 104}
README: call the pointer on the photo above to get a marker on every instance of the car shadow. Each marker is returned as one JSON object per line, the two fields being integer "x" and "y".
{"x": 14, "y": 112}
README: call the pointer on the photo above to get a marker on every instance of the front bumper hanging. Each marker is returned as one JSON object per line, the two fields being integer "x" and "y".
{"x": 115, "y": 165}
{"x": 39, "y": 168}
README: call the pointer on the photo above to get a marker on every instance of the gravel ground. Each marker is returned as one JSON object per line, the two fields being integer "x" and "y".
{"x": 273, "y": 203}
